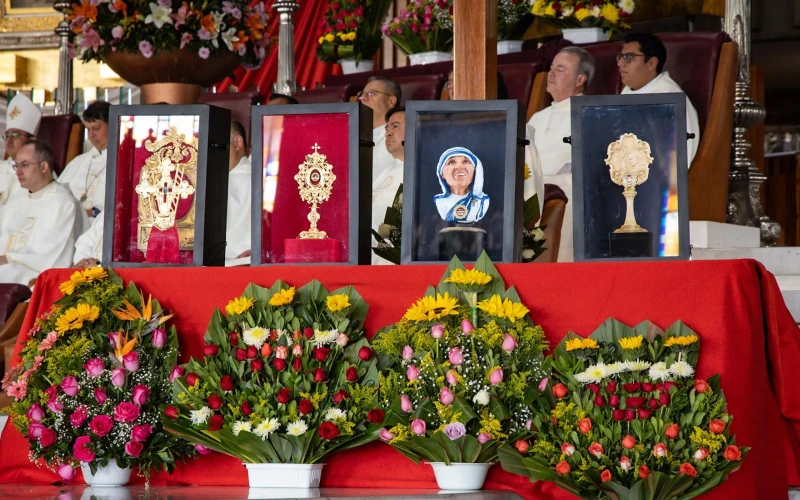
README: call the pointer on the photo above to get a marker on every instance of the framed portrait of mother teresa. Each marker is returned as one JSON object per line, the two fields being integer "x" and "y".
{"x": 462, "y": 182}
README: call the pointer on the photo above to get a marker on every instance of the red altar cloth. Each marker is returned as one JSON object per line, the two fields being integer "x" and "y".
{"x": 748, "y": 336}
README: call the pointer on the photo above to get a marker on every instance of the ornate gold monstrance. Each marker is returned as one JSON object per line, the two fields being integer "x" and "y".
{"x": 167, "y": 177}
{"x": 629, "y": 165}
{"x": 315, "y": 181}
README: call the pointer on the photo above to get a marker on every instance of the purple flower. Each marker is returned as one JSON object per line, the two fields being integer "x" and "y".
{"x": 159, "y": 335}
{"x": 117, "y": 31}
{"x": 204, "y": 53}
{"x": 131, "y": 360}
{"x": 455, "y": 430}
{"x": 94, "y": 367}
{"x": 241, "y": 50}
{"x": 185, "y": 39}
{"x": 228, "y": 8}
{"x": 146, "y": 49}
{"x": 204, "y": 34}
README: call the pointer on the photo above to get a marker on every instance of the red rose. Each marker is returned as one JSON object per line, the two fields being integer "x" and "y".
{"x": 48, "y": 437}
{"x": 613, "y": 401}
{"x": 171, "y": 412}
{"x": 241, "y": 354}
{"x": 732, "y": 453}
{"x": 233, "y": 337}
{"x": 560, "y": 391}
{"x": 256, "y": 365}
{"x": 522, "y": 446}
{"x": 585, "y": 425}
{"x": 595, "y": 388}
{"x": 647, "y": 387}
{"x": 215, "y": 423}
{"x": 351, "y": 374}
{"x": 266, "y": 350}
{"x": 246, "y": 410}
{"x": 634, "y": 402}
{"x": 191, "y": 379}
{"x": 320, "y": 353}
{"x": 210, "y": 350}
{"x": 279, "y": 364}
{"x": 672, "y": 431}
{"x": 308, "y": 333}
{"x": 630, "y": 415}
{"x": 305, "y": 407}
{"x": 376, "y": 416}
{"x": 563, "y": 468}
{"x": 628, "y": 442}
{"x": 631, "y": 387}
{"x": 618, "y": 415}
{"x": 659, "y": 386}
{"x": 365, "y": 353}
{"x": 340, "y": 396}
{"x": 653, "y": 404}
{"x": 297, "y": 364}
{"x": 214, "y": 402}
{"x": 643, "y": 472}
{"x": 643, "y": 414}
{"x": 688, "y": 469}
{"x": 226, "y": 383}
{"x": 605, "y": 475}
{"x": 701, "y": 386}
{"x": 328, "y": 430}
{"x": 663, "y": 399}
{"x": 599, "y": 401}
{"x": 283, "y": 396}
{"x": 273, "y": 335}
{"x": 669, "y": 385}
{"x": 252, "y": 352}
{"x": 319, "y": 375}
{"x": 716, "y": 426}
{"x": 611, "y": 387}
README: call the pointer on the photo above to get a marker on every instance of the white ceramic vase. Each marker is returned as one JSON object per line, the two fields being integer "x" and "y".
{"x": 460, "y": 476}
{"x": 350, "y": 65}
{"x": 433, "y": 56}
{"x": 302, "y": 476}
{"x": 509, "y": 46}
{"x": 110, "y": 475}
{"x": 584, "y": 35}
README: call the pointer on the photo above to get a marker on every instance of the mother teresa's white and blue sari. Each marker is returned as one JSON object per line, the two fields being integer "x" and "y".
{"x": 456, "y": 208}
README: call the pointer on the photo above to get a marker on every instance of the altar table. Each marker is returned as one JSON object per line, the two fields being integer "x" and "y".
{"x": 747, "y": 335}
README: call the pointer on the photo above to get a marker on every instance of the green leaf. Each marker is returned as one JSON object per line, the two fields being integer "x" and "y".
{"x": 530, "y": 212}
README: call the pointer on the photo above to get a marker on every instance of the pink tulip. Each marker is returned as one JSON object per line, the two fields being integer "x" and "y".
{"x": 509, "y": 343}
{"x": 100, "y": 395}
{"x": 35, "y": 413}
{"x": 466, "y": 327}
{"x": 70, "y": 386}
{"x": 412, "y": 372}
{"x": 201, "y": 449}
{"x": 496, "y": 377}
{"x": 94, "y": 367}
{"x": 66, "y": 472}
{"x": 452, "y": 377}
{"x": 456, "y": 357}
{"x": 408, "y": 352}
{"x": 117, "y": 377}
{"x": 418, "y": 427}
{"x": 543, "y": 384}
{"x": 140, "y": 394}
{"x": 437, "y": 331}
{"x": 446, "y": 397}
{"x": 159, "y": 338}
{"x": 131, "y": 361}
{"x": 405, "y": 404}
{"x": 177, "y": 371}
{"x": 386, "y": 435}
{"x": 484, "y": 438}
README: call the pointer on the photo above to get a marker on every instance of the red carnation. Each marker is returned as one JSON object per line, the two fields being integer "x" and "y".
{"x": 256, "y": 365}
{"x": 376, "y": 416}
{"x": 283, "y": 396}
{"x": 171, "y": 412}
{"x": 297, "y": 364}
{"x": 319, "y": 375}
{"x": 246, "y": 409}
{"x": 210, "y": 350}
{"x": 226, "y": 383}
{"x": 351, "y": 374}
{"x": 279, "y": 364}
{"x": 305, "y": 407}
{"x": 340, "y": 396}
{"x": 308, "y": 333}
{"x": 233, "y": 337}
{"x": 634, "y": 402}
{"x": 191, "y": 379}
{"x": 214, "y": 401}
{"x": 320, "y": 353}
{"x": 631, "y": 387}
{"x": 273, "y": 335}
{"x": 252, "y": 352}
{"x": 215, "y": 423}
{"x": 241, "y": 354}
{"x": 328, "y": 430}
{"x": 365, "y": 353}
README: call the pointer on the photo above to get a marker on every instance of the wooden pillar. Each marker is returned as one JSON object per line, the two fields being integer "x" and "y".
{"x": 475, "y": 49}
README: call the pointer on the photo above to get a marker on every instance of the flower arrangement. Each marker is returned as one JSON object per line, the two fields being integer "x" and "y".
{"x": 627, "y": 419}
{"x": 288, "y": 377}
{"x": 463, "y": 366}
{"x": 513, "y": 19}
{"x": 606, "y": 14}
{"x": 424, "y": 26}
{"x": 351, "y": 29}
{"x": 92, "y": 376}
{"x": 208, "y": 28}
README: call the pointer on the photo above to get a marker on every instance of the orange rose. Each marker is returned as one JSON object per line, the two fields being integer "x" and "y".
{"x": 700, "y": 386}
{"x": 585, "y": 425}
{"x": 560, "y": 390}
{"x": 628, "y": 442}
{"x": 563, "y": 468}
{"x": 688, "y": 469}
{"x": 266, "y": 350}
{"x": 522, "y": 446}
{"x": 717, "y": 426}
{"x": 732, "y": 453}
{"x": 643, "y": 472}
{"x": 605, "y": 475}
{"x": 672, "y": 431}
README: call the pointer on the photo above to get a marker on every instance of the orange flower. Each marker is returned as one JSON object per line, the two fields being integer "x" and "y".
{"x": 253, "y": 23}
{"x": 207, "y": 22}
{"x": 85, "y": 10}
{"x": 242, "y": 39}
{"x": 121, "y": 6}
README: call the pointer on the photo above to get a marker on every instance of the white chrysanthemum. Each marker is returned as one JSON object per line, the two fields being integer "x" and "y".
{"x": 615, "y": 368}
{"x": 201, "y": 416}
{"x": 323, "y": 337}
{"x": 567, "y": 11}
{"x": 681, "y": 369}
{"x": 582, "y": 377}
{"x": 659, "y": 371}
{"x": 596, "y": 373}
{"x": 296, "y": 428}
{"x": 638, "y": 365}
{"x": 255, "y": 336}
{"x": 241, "y": 426}
{"x": 267, "y": 427}
{"x": 481, "y": 398}
{"x": 627, "y": 6}
{"x": 335, "y": 414}
{"x": 596, "y": 11}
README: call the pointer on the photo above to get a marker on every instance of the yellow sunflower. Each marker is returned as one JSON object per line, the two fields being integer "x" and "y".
{"x": 282, "y": 298}
{"x": 429, "y": 308}
{"x": 74, "y": 317}
{"x": 581, "y": 344}
{"x": 681, "y": 341}
{"x": 94, "y": 274}
{"x": 68, "y": 287}
{"x": 471, "y": 277}
{"x": 503, "y": 308}
{"x": 337, "y": 302}
{"x": 239, "y": 305}
{"x": 631, "y": 342}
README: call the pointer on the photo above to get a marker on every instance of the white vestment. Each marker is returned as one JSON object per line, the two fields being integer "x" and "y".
{"x": 386, "y": 180}
{"x": 664, "y": 84}
{"x": 86, "y": 178}
{"x": 9, "y": 184}
{"x": 380, "y": 155}
{"x": 237, "y": 232}
{"x": 89, "y": 245}
{"x": 38, "y": 232}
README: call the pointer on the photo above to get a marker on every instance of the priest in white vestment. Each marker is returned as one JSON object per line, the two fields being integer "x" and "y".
{"x": 572, "y": 69}
{"x": 89, "y": 245}
{"x": 85, "y": 175}
{"x": 641, "y": 67}
{"x": 380, "y": 94}
{"x": 388, "y": 175}
{"x": 237, "y": 232}
{"x": 37, "y": 230}
{"x": 22, "y": 124}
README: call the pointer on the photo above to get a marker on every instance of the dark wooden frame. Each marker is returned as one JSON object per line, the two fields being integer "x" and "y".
{"x": 211, "y": 191}
{"x": 359, "y": 181}
{"x": 513, "y": 176}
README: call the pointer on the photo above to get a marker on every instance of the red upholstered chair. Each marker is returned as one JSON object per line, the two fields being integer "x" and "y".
{"x": 64, "y": 135}
{"x": 606, "y": 75}
{"x": 555, "y": 204}
{"x": 421, "y": 87}
{"x": 12, "y": 313}
{"x": 239, "y": 103}
{"x": 336, "y": 93}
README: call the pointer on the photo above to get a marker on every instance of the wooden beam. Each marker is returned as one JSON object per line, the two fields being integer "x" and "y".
{"x": 475, "y": 49}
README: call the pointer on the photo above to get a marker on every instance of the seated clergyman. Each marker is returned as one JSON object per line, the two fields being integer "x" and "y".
{"x": 460, "y": 174}
{"x": 237, "y": 232}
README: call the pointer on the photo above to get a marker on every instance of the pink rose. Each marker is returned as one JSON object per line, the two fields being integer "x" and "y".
{"x": 297, "y": 350}
{"x": 100, "y": 395}
{"x": 79, "y": 416}
{"x": 405, "y": 404}
{"x": 466, "y": 327}
{"x": 418, "y": 427}
{"x": 567, "y": 449}
{"x": 140, "y": 394}
{"x": 94, "y": 367}
{"x": 35, "y": 430}
{"x": 159, "y": 338}
{"x": 55, "y": 405}
{"x": 701, "y": 454}
{"x": 624, "y": 463}
{"x": 70, "y": 386}
{"x": 386, "y": 435}
{"x": 118, "y": 377}
{"x": 201, "y": 449}
{"x": 140, "y": 433}
{"x": 484, "y": 438}
{"x": 412, "y": 372}
{"x": 342, "y": 340}
{"x": 437, "y": 331}
{"x": 101, "y": 425}
{"x": 48, "y": 437}
{"x": 509, "y": 343}
{"x": 35, "y": 413}
{"x": 660, "y": 450}
{"x": 134, "y": 448}
{"x": 82, "y": 450}
{"x": 446, "y": 397}
{"x": 131, "y": 361}
{"x": 177, "y": 371}
{"x": 126, "y": 412}
{"x": 408, "y": 352}
{"x": 455, "y": 356}
{"x": 66, "y": 472}
{"x": 282, "y": 352}
{"x": 496, "y": 377}
{"x": 452, "y": 377}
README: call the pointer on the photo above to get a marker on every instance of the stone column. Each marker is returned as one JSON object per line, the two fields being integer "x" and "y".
{"x": 286, "y": 75}
{"x": 64, "y": 100}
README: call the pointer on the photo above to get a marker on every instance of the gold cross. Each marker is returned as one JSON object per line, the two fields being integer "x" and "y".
{"x": 15, "y": 112}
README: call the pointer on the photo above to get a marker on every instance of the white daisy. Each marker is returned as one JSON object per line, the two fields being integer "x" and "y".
{"x": 681, "y": 369}
{"x": 615, "y": 368}
{"x": 637, "y": 366}
{"x": 201, "y": 416}
{"x": 323, "y": 337}
{"x": 267, "y": 427}
{"x": 255, "y": 336}
{"x": 297, "y": 428}
{"x": 335, "y": 414}
{"x": 242, "y": 426}
{"x": 659, "y": 371}
{"x": 627, "y": 6}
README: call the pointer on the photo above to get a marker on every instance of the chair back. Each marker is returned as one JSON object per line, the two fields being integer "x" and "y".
{"x": 336, "y": 93}
{"x": 239, "y": 104}
{"x": 421, "y": 87}
{"x": 64, "y": 135}
{"x": 555, "y": 204}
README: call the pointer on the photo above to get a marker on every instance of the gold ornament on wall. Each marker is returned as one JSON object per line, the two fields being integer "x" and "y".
{"x": 629, "y": 162}
{"x": 315, "y": 181}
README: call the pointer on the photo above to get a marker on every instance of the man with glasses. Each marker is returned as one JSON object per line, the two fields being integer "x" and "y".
{"x": 641, "y": 67}
{"x": 22, "y": 123}
{"x": 380, "y": 94}
{"x": 37, "y": 230}
{"x": 388, "y": 177}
